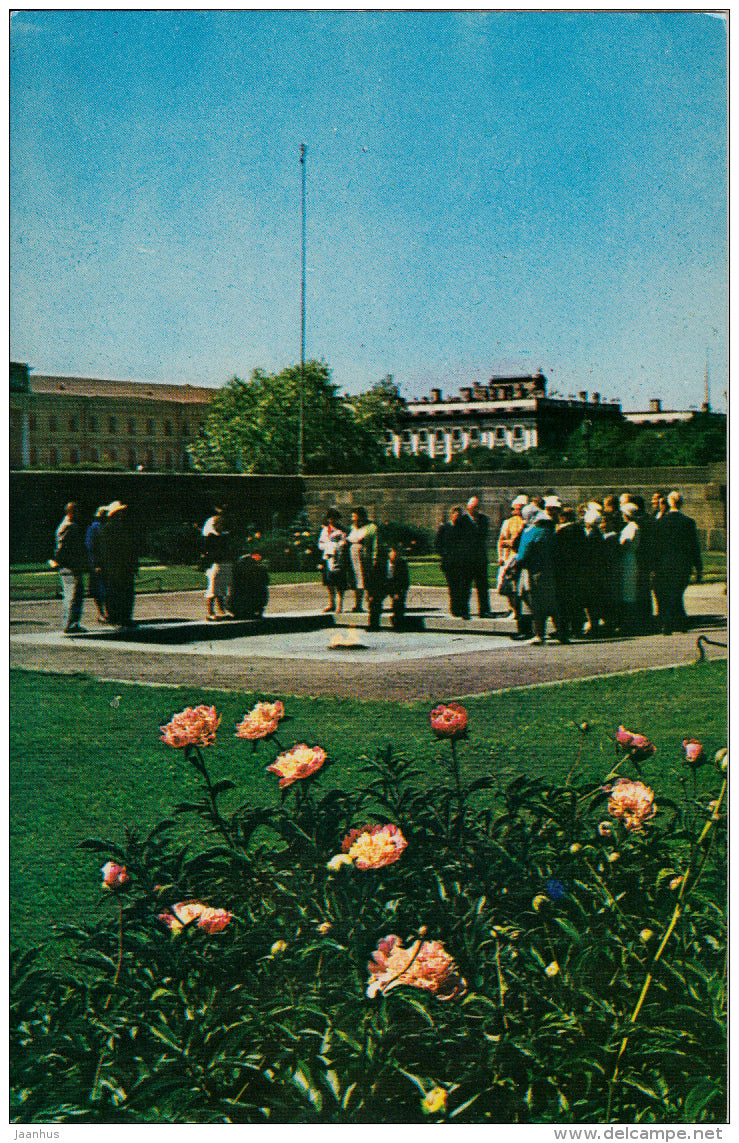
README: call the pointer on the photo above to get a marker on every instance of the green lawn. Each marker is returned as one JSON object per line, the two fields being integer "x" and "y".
{"x": 36, "y": 581}
{"x": 86, "y": 759}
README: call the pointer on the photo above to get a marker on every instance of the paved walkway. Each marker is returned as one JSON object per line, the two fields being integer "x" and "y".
{"x": 299, "y": 659}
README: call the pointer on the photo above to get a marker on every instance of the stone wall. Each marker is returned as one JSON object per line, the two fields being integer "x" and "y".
{"x": 422, "y": 499}
{"x": 37, "y": 499}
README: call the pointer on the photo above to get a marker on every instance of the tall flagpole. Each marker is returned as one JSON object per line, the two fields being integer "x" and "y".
{"x": 301, "y": 424}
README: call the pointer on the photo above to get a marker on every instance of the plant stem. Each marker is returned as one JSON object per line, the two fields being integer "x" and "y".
{"x": 677, "y": 912}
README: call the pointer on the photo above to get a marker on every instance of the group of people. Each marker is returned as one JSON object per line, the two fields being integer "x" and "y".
{"x": 594, "y": 570}
{"x": 597, "y": 569}
{"x": 354, "y": 558}
{"x": 108, "y": 553}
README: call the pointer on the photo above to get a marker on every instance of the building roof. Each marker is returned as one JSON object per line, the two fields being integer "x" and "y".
{"x": 139, "y": 390}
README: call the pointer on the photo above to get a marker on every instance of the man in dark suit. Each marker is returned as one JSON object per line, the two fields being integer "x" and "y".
{"x": 481, "y": 525}
{"x": 455, "y": 542}
{"x": 676, "y": 553}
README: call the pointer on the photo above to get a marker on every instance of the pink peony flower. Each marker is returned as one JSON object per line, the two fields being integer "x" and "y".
{"x": 637, "y": 746}
{"x": 372, "y": 848}
{"x": 424, "y": 965}
{"x": 193, "y": 726}
{"x": 299, "y": 762}
{"x": 261, "y": 721}
{"x": 115, "y": 876}
{"x": 633, "y": 802}
{"x": 694, "y": 752}
{"x": 186, "y": 912}
{"x": 449, "y": 720}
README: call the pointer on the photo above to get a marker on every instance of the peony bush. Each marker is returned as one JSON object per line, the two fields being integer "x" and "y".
{"x": 412, "y": 949}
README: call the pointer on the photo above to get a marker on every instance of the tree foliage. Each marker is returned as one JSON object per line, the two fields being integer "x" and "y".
{"x": 253, "y": 426}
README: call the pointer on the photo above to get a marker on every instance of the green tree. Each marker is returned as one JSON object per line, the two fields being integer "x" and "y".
{"x": 380, "y": 408}
{"x": 253, "y": 426}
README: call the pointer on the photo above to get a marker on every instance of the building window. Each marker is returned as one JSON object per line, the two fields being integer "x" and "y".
{"x": 74, "y": 456}
{"x": 168, "y": 428}
{"x": 389, "y": 436}
{"x": 456, "y": 435}
{"x": 500, "y": 435}
{"x": 423, "y": 435}
{"x": 407, "y": 436}
{"x": 474, "y": 435}
{"x": 131, "y": 427}
{"x": 518, "y": 433}
{"x": 54, "y": 457}
{"x": 52, "y": 424}
{"x": 149, "y": 427}
{"x": 112, "y": 425}
{"x": 73, "y": 424}
{"x": 93, "y": 424}
{"x": 439, "y": 434}
{"x": 32, "y": 423}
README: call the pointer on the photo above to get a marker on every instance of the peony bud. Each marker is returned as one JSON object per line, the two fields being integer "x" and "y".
{"x": 325, "y": 928}
{"x": 676, "y": 883}
{"x": 278, "y": 948}
{"x": 646, "y": 935}
{"x": 721, "y": 758}
{"x": 552, "y": 969}
{"x": 604, "y": 829}
{"x": 575, "y": 847}
{"x": 585, "y": 726}
{"x": 614, "y": 857}
{"x": 538, "y": 901}
{"x": 435, "y": 1101}
{"x": 337, "y": 861}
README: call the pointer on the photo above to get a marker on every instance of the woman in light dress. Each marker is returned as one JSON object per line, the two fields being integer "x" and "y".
{"x": 332, "y": 545}
{"x": 362, "y": 540}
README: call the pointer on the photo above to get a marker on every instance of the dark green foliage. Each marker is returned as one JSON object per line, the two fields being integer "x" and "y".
{"x": 549, "y": 922}
{"x": 253, "y": 426}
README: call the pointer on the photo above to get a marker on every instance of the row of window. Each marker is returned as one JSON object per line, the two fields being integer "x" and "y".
{"x": 93, "y": 425}
{"x": 440, "y": 434}
{"x": 74, "y": 456}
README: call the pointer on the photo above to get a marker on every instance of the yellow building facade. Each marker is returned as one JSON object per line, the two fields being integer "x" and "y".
{"x": 88, "y": 423}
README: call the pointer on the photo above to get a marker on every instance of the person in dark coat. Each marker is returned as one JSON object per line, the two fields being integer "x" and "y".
{"x": 645, "y": 567}
{"x": 120, "y": 564}
{"x": 455, "y": 544}
{"x": 594, "y": 571}
{"x": 535, "y": 555}
{"x": 398, "y": 582}
{"x": 676, "y": 553}
{"x": 71, "y": 560}
{"x": 569, "y": 558}
{"x": 249, "y": 588}
{"x": 480, "y": 581}
{"x": 92, "y": 543}
{"x": 611, "y": 525}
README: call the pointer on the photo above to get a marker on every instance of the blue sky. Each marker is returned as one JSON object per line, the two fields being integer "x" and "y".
{"x": 487, "y": 192}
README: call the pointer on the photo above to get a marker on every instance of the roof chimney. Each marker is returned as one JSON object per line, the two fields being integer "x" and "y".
{"x": 466, "y": 393}
{"x": 583, "y": 394}
{"x": 655, "y": 405}
{"x": 596, "y": 398}
{"x": 436, "y": 395}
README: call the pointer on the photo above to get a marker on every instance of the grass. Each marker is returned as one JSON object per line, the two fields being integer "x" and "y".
{"x": 86, "y": 759}
{"x": 37, "y": 581}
